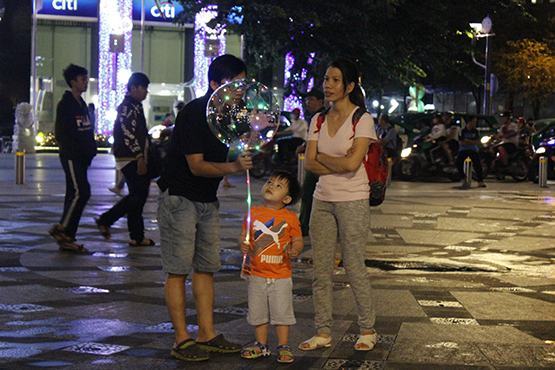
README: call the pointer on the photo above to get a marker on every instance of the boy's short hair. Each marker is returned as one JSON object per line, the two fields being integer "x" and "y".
{"x": 138, "y": 79}
{"x": 72, "y": 71}
{"x": 294, "y": 190}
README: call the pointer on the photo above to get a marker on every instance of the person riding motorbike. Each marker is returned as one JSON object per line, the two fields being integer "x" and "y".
{"x": 524, "y": 133}
{"x": 451, "y": 143}
{"x": 438, "y": 135}
{"x": 508, "y": 134}
{"x": 388, "y": 136}
{"x": 292, "y": 137}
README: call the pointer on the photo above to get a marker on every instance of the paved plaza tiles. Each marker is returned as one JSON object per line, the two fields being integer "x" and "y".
{"x": 461, "y": 280}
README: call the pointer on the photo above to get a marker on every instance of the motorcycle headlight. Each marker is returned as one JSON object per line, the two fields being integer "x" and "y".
{"x": 406, "y": 152}
{"x": 40, "y": 138}
{"x": 156, "y": 134}
{"x": 485, "y": 139}
{"x": 540, "y": 150}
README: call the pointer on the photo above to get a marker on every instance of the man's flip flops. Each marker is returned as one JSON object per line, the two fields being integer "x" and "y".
{"x": 188, "y": 350}
{"x": 143, "y": 243}
{"x": 219, "y": 344}
{"x": 104, "y": 229}
{"x": 73, "y": 248}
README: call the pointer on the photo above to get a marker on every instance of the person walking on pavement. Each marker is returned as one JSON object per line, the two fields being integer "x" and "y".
{"x": 77, "y": 147}
{"x": 130, "y": 148}
{"x": 188, "y": 216}
{"x": 314, "y": 102}
{"x": 469, "y": 141}
{"x": 341, "y": 211}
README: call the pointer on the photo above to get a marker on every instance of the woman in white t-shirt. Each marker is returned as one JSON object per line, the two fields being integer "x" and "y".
{"x": 341, "y": 211}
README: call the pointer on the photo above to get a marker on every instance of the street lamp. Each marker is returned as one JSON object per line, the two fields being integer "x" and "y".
{"x": 484, "y": 30}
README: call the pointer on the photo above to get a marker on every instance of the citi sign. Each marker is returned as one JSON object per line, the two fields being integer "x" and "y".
{"x": 64, "y": 4}
{"x": 167, "y": 10}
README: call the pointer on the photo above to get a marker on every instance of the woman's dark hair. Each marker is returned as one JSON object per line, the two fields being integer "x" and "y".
{"x": 138, "y": 79}
{"x": 350, "y": 73}
{"x": 72, "y": 71}
{"x": 225, "y": 67}
{"x": 292, "y": 183}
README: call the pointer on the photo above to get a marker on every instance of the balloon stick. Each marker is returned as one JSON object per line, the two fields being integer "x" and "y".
{"x": 244, "y": 268}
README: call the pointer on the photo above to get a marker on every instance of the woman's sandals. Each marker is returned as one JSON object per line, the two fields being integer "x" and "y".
{"x": 314, "y": 343}
{"x": 366, "y": 342}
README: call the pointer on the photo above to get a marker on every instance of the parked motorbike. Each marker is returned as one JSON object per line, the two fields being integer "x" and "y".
{"x": 425, "y": 159}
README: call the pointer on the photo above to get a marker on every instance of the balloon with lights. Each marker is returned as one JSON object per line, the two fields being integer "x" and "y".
{"x": 244, "y": 115}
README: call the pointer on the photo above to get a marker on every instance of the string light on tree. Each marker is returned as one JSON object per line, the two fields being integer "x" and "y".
{"x": 294, "y": 100}
{"x": 209, "y": 43}
{"x": 114, "y": 54}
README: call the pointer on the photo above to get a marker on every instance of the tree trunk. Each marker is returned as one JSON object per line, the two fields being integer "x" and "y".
{"x": 536, "y": 105}
{"x": 477, "y": 99}
{"x": 510, "y": 102}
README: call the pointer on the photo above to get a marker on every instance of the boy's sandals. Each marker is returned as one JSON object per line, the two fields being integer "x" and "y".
{"x": 255, "y": 350}
{"x": 315, "y": 342}
{"x": 144, "y": 243}
{"x": 58, "y": 233}
{"x": 188, "y": 350}
{"x": 284, "y": 354}
{"x": 366, "y": 342}
{"x": 73, "y": 247}
{"x": 104, "y": 229}
{"x": 219, "y": 344}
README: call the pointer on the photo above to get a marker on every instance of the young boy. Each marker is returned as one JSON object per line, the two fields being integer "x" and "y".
{"x": 275, "y": 237}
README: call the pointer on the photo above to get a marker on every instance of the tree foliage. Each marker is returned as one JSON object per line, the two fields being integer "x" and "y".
{"x": 528, "y": 67}
{"x": 394, "y": 42}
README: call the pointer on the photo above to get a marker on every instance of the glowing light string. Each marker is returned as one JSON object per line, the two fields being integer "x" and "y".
{"x": 114, "y": 68}
{"x": 294, "y": 100}
{"x": 209, "y": 43}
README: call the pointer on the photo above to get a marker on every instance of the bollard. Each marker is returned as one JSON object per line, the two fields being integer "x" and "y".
{"x": 468, "y": 172}
{"x": 300, "y": 168}
{"x": 389, "y": 170}
{"x": 542, "y": 172}
{"x": 20, "y": 167}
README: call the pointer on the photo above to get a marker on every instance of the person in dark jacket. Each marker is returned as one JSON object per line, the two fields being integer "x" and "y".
{"x": 77, "y": 147}
{"x": 130, "y": 148}
{"x": 314, "y": 102}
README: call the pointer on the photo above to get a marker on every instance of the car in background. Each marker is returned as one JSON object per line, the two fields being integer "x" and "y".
{"x": 543, "y": 143}
{"x": 6, "y": 133}
{"x": 541, "y": 126}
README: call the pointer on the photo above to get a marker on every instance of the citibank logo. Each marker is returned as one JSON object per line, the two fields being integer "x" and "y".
{"x": 167, "y": 10}
{"x": 64, "y": 4}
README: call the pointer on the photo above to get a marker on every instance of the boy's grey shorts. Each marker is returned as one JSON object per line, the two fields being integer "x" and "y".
{"x": 270, "y": 300}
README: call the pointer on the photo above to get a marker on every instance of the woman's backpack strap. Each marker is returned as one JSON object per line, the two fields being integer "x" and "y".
{"x": 320, "y": 119}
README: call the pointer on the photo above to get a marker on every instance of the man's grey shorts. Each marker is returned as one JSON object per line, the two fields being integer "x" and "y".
{"x": 270, "y": 300}
{"x": 189, "y": 235}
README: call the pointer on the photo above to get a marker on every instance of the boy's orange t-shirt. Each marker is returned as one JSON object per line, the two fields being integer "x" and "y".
{"x": 272, "y": 233}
